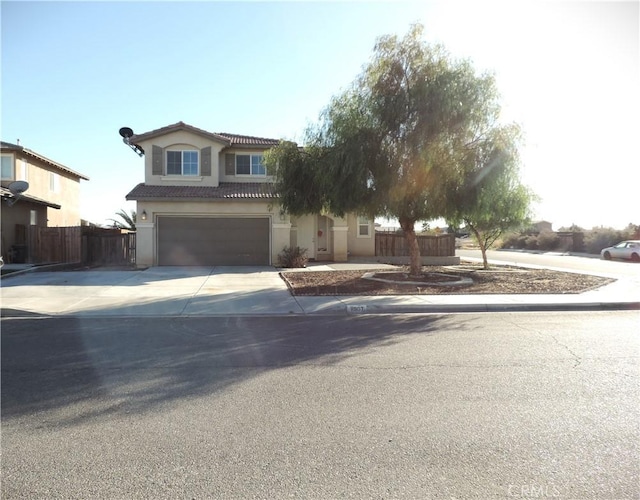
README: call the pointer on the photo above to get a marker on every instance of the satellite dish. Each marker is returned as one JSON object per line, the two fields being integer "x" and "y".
{"x": 126, "y": 132}
{"x": 17, "y": 188}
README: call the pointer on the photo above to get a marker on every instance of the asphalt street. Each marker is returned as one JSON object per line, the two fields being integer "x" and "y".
{"x": 588, "y": 264}
{"x": 493, "y": 405}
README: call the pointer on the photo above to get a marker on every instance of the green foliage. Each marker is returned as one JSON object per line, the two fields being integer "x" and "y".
{"x": 531, "y": 242}
{"x": 603, "y": 237}
{"x": 128, "y": 220}
{"x": 396, "y": 142}
{"x": 573, "y": 228}
{"x": 548, "y": 240}
{"x": 513, "y": 240}
{"x": 293, "y": 257}
{"x": 491, "y": 200}
{"x": 590, "y": 241}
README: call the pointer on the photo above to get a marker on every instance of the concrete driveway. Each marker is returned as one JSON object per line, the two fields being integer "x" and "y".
{"x": 157, "y": 291}
{"x": 231, "y": 291}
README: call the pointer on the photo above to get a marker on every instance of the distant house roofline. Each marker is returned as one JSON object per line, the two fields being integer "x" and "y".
{"x": 7, "y": 146}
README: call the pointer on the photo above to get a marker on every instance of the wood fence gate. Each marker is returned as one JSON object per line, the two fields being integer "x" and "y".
{"x": 108, "y": 248}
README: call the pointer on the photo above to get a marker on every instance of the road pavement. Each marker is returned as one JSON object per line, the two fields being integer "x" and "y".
{"x": 585, "y": 263}
{"x": 485, "y": 406}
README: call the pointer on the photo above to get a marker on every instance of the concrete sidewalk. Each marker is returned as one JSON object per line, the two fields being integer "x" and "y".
{"x": 230, "y": 291}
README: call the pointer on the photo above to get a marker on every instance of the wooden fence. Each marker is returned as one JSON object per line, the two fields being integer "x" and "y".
{"x": 48, "y": 245}
{"x": 108, "y": 248}
{"x": 395, "y": 245}
{"x": 80, "y": 244}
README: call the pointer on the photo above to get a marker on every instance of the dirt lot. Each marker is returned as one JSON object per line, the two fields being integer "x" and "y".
{"x": 462, "y": 279}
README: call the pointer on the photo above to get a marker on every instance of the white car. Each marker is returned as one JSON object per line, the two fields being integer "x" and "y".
{"x": 629, "y": 249}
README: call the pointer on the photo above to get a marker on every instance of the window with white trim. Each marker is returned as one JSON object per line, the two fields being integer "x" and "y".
{"x": 54, "y": 182}
{"x": 7, "y": 167}
{"x": 250, "y": 165}
{"x": 364, "y": 227}
{"x": 182, "y": 163}
{"x": 23, "y": 171}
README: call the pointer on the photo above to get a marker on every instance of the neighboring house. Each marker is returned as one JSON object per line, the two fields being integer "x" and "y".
{"x": 53, "y": 197}
{"x": 207, "y": 200}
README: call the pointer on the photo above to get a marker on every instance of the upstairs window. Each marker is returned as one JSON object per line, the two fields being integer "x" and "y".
{"x": 182, "y": 163}
{"x": 250, "y": 165}
{"x": 7, "y": 167}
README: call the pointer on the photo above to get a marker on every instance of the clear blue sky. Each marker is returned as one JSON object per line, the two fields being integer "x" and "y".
{"x": 73, "y": 73}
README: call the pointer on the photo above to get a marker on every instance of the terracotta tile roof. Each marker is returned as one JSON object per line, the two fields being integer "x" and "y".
{"x": 225, "y": 191}
{"x": 228, "y": 139}
{"x": 247, "y": 140}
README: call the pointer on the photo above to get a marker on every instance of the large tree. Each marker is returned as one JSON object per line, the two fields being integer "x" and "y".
{"x": 491, "y": 200}
{"x": 395, "y": 142}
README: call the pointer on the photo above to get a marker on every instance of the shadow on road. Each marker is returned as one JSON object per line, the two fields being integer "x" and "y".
{"x": 66, "y": 371}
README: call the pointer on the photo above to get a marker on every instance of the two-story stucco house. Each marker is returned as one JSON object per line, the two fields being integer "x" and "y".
{"x": 207, "y": 200}
{"x": 53, "y": 197}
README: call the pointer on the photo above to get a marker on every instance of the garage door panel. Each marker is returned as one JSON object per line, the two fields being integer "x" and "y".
{"x": 184, "y": 241}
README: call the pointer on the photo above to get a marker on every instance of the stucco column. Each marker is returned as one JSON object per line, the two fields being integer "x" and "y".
{"x": 144, "y": 243}
{"x": 340, "y": 249}
{"x": 280, "y": 238}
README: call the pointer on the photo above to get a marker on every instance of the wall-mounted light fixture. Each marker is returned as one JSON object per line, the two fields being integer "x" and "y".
{"x": 144, "y": 215}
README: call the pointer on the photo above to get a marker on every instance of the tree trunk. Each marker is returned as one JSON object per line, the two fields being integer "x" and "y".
{"x": 483, "y": 246}
{"x": 415, "y": 261}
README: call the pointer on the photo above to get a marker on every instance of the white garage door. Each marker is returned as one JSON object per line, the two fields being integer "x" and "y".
{"x": 213, "y": 241}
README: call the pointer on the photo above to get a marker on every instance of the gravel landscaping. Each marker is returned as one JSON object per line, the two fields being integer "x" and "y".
{"x": 462, "y": 279}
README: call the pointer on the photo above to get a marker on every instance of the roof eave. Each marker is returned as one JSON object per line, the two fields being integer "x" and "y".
{"x": 136, "y": 138}
{"x": 21, "y": 149}
{"x": 31, "y": 199}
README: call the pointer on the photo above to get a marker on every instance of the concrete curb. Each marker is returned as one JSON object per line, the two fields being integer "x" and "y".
{"x": 376, "y": 310}
{"x": 44, "y": 268}
{"x": 478, "y": 308}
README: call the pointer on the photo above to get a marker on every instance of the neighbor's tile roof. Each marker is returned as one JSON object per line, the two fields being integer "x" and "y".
{"x": 225, "y": 191}
{"x": 228, "y": 139}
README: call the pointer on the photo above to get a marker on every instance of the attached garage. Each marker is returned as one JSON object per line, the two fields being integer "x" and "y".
{"x": 213, "y": 241}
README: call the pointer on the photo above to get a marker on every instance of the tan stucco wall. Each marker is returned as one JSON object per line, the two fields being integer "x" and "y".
{"x": 147, "y": 237}
{"x": 181, "y": 140}
{"x": 343, "y": 243}
{"x": 38, "y": 176}
{"x": 360, "y": 246}
{"x": 68, "y": 197}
